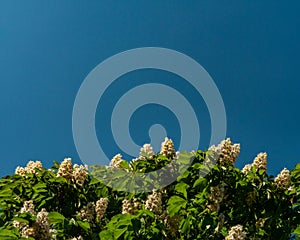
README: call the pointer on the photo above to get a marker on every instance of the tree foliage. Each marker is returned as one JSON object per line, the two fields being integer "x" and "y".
{"x": 222, "y": 204}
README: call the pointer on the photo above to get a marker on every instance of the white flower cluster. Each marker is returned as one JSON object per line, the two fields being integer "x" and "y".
{"x": 246, "y": 169}
{"x": 28, "y": 206}
{"x": 129, "y": 206}
{"x": 236, "y": 233}
{"x": 19, "y": 225}
{"x": 66, "y": 169}
{"x": 283, "y": 180}
{"x": 260, "y": 162}
{"x": 227, "y": 152}
{"x": 260, "y": 222}
{"x": 101, "y": 206}
{"x": 217, "y": 194}
{"x": 27, "y": 231}
{"x": 116, "y": 160}
{"x": 154, "y": 202}
{"x": 30, "y": 168}
{"x": 167, "y": 148}
{"x": 77, "y": 238}
{"x": 146, "y": 150}
{"x": 76, "y": 174}
{"x": 79, "y": 174}
{"x": 43, "y": 225}
{"x": 87, "y": 212}
{"x": 40, "y": 228}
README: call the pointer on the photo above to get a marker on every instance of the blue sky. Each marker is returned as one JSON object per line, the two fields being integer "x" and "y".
{"x": 47, "y": 48}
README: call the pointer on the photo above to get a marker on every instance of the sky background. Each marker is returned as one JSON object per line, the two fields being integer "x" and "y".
{"x": 249, "y": 48}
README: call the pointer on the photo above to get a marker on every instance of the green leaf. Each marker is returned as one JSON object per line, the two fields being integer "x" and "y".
{"x": 297, "y": 230}
{"x": 39, "y": 186}
{"x": 58, "y": 180}
{"x": 124, "y": 164}
{"x": 119, "y": 232}
{"x": 261, "y": 171}
{"x": 84, "y": 225}
{"x": 147, "y": 212}
{"x": 123, "y": 219}
{"x": 155, "y": 230}
{"x": 106, "y": 234}
{"x": 56, "y": 164}
{"x": 5, "y": 193}
{"x": 7, "y": 234}
{"x": 175, "y": 203}
{"x": 94, "y": 181}
{"x": 143, "y": 154}
{"x": 185, "y": 158}
{"x": 201, "y": 183}
{"x": 186, "y": 225}
{"x": 176, "y": 200}
{"x": 44, "y": 201}
{"x": 181, "y": 188}
{"x": 56, "y": 217}
{"x": 183, "y": 176}
{"x": 204, "y": 170}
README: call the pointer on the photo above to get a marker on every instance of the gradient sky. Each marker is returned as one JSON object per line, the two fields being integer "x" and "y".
{"x": 47, "y": 48}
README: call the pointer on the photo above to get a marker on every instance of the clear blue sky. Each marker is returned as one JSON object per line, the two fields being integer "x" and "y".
{"x": 47, "y": 48}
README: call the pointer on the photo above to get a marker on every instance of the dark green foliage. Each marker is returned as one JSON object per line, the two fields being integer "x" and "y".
{"x": 252, "y": 200}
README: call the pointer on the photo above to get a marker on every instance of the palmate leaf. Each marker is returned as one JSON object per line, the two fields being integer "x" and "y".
{"x": 182, "y": 188}
{"x": 175, "y": 204}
